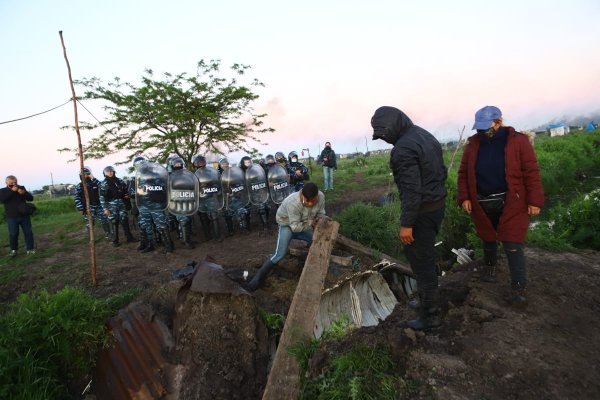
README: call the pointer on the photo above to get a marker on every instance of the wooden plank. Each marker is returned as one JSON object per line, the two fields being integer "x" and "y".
{"x": 284, "y": 380}
{"x": 344, "y": 261}
{"x": 355, "y": 247}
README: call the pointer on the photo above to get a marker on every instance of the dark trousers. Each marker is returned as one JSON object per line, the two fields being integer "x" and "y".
{"x": 421, "y": 253}
{"x": 517, "y": 262}
{"x": 13, "y": 232}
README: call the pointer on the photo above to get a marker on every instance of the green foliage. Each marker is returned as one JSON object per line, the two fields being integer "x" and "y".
{"x": 338, "y": 329}
{"x": 273, "y": 321}
{"x": 376, "y": 227}
{"x": 456, "y": 224}
{"x": 574, "y": 224}
{"x": 178, "y": 114}
{"x": 303, "y": 352}
{"x": 360, "y": 373}
{"x": 46, "y": 340}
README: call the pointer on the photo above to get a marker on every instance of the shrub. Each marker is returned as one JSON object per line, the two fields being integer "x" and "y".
{"x": 47, "y": 340}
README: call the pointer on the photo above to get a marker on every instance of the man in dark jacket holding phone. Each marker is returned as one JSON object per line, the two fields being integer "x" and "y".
{"x": 15, "y": 198}
{"x": 419, "y": 172}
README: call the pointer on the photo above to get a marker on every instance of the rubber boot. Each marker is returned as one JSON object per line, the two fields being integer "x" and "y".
{"x": 216, "y": 232}
{"x": 115, "y": 233}
{"x": 127, "y": 230}
{"x": 143, "y": 241}
{"x": 518, "y": 297}
{"x": 261, "y": 275}
{"x": 166, "y": 240}
{"x": 229, "y": 223}
{"x": 429, "y": 313}
{"x": 149, "y": 243}
{"x": 107, "y": 232}
{"x": 187, "y": 235}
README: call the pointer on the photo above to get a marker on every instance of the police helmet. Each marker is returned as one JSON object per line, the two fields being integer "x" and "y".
{"x": 108, "y": 169}
{"x": 176, "y": 163}
{"x": 245, "y": 162}
{"x": 139, "y": 161}
{"x": 291, "y": 155}
{"x": 280, "y": 157}
{"x": 269, "y": 159}
{"x": 199, "y": 161}
{"x": 223, "y": 162}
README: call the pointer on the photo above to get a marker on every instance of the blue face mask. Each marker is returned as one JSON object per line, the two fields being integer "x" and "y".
{"x": 294, "y": 159}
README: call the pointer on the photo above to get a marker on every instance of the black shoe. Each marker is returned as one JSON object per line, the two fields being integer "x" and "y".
{"x": 148, "y": 248}
{"x": 518, "y": 297}
{"x": 425, "y": 324}
{"x": 260, "y": 277}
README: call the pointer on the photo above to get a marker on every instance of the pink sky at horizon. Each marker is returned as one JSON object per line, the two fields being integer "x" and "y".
{"x": 438, "y": 63}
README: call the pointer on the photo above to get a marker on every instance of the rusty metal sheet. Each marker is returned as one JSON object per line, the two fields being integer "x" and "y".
{"x": 133, "y": 367}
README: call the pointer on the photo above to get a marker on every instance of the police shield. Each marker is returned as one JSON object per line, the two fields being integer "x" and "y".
{"x": 256, "y": 181}
{"x": 210, "y": 192}
{"x": 183, "y": 192}
{"x": 279, "y": 184}
{"x": 234, "y": 188}
{"x": 151, "y": 186}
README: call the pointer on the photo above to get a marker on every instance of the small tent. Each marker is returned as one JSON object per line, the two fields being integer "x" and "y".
{"x": 559, "y": 129}
{"x": 591, "y": 126}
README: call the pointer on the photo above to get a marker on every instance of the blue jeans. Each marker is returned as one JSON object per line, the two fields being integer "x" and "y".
{"x": 13, "y": 232}
{"x": 328, "y": 175}
{"x": 284, "y": 238}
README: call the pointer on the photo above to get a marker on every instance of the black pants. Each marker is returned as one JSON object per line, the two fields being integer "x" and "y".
{"x": 421, "y": 253}
{"x": 517, "y": 262}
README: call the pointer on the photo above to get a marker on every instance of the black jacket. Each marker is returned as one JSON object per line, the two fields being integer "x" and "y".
{"x": 416, "y": 161}
{"x": 12, "y": 200}
{"x": 328, "y": 158}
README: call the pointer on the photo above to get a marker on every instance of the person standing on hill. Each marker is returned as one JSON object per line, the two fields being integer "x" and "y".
{"x": 93, "y": 188}
{"x": 500, "y": 187}
{"x": 15, "y": 197}
{"x": 113, "y": 195}
{"x": 419, "y": 172}
{"x": 329, "y": 161}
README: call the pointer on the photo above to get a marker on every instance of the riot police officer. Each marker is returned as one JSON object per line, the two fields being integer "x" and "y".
{"x": 93, "y": 189}
{"x": 113, "y": 193}
{"x": 184, "y": 221}
{"x": 297, "y": 171}
{"x": 211, "y": 197}
{"x": 235, "y": 194}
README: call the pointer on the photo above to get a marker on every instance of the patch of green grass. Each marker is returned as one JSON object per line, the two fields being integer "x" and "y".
{"x": 273, "y": 321}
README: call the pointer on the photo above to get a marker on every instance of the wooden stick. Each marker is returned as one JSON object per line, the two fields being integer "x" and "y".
{"x": 355, "y": 247}
{"x": 457, "y": 147}
{"x": 284, "y": 378}
{"x": 80, "y": 151}
{"x": 344, "y": 261}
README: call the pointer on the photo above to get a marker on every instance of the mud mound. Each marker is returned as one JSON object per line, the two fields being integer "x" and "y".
{"x": 487, "y": 350}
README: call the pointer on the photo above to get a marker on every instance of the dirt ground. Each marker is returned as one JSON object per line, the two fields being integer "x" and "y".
{"x": 484, "y": 350}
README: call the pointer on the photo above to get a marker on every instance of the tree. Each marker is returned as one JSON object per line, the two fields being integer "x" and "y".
{"x": 180, "y": 114}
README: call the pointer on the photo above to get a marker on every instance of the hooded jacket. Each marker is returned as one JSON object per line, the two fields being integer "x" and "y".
{"x": 416, "y": 161}
{"x": 524, "y": 188}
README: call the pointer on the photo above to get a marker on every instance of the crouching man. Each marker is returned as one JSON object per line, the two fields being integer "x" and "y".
{"x": 296, "y": 217}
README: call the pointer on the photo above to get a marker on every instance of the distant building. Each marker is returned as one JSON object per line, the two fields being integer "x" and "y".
{"x": 559, "y": 129}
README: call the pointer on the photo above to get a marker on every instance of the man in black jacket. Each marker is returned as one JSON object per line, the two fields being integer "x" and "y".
{"x": 14, "y": 198}
{"x": 329, "y": 161}
{"x": 419, "y": 172}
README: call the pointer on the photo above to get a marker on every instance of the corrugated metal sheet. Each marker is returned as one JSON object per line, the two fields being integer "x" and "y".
{"x": 133, "y": 367}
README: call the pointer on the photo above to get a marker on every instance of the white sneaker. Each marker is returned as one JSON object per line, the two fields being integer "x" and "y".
{"x": 30, "y": 251}
{"x": 12, "y": 253}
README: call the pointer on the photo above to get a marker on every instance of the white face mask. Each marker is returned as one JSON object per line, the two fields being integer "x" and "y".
{"x": 294, "y": 159}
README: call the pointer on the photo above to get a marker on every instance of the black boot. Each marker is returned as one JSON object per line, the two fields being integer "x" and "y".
{"x": 143, "y": 241}
{"x": 429, "y": 313}
{"x": 187, "y": 235}
{"x": 229, "y": 223}
{"x": 261, "y": 275}
{"x": 107, "y": 232}
{"x": 518, "y": 296}
{"x": 264, "y": 219}
{"x": 115, "y": 233}
{"x": 127, "y": 230}
{"x": 166, "y": 240}
{"x": 205, "y": 222}
{"x": 216, "y": 232}
{"x": 247, "y": 218}
{"x": 149, "y": 244}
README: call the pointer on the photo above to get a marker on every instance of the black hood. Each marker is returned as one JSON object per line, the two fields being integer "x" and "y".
{"x": 389, "y": 124}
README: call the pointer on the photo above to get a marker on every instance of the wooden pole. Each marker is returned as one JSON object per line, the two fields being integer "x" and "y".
{"x": 80, "y": 151}
{"x": 284, "y": 378}
{"x": 457, "y": 147}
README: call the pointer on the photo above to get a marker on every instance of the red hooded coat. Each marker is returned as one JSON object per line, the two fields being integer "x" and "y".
{"x": 524, "y": 188}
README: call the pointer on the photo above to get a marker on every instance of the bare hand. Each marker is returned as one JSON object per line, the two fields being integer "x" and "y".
{"x": 406, "y": 235}
{"x": 106, "y": 212}
{"x": 533, "y": 210}
{"x": 466, "y": 205}
{"x": 298, "y": 172}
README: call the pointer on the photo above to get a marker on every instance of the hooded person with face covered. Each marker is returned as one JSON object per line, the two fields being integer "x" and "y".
{"x": 419, "y": 172}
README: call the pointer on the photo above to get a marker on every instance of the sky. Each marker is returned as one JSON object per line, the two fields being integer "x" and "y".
{"x": 326, "y": 66}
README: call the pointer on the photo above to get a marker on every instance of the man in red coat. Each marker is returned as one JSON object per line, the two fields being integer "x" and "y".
{"x": 499, "y": 185}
